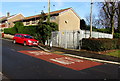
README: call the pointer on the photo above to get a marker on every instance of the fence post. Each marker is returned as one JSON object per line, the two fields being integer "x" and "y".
{"x": 56, "y": 38}
{"x": 65, "y": 39}
{"x": 78, "y": 39}
{"x": 80, "y": 44}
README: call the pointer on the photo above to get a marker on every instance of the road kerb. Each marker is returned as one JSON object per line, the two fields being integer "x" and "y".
{"x": 104, "y": 61}
{"x": 43, "y": 48}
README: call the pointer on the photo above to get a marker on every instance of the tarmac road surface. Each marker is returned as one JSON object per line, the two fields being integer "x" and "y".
{"x": 18, "y": 65}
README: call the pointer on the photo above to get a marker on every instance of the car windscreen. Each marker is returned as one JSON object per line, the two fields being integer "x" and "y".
{"x": 29, "y": 37}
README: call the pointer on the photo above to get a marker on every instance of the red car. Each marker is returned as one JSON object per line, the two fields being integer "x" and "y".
{"x": 25, "y": 39}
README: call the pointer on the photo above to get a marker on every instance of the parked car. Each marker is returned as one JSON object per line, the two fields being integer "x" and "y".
{"x": 25, "y": 39}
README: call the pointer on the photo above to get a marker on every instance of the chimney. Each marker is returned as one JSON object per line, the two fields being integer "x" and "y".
{"x": 8, "y": 14}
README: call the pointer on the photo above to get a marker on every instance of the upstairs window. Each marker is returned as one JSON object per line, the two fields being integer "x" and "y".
{"x": 53, "y": 18}
{"x": 33, "y": 22}
{"x": 27, "y": 23}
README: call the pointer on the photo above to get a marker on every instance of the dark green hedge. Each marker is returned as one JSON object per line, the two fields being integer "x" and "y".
{"x": 100, "y": 44}
{"x": 28, "y": 30}
{"x": 118, "y": 43}
{"x": 116, "y": 35}
{"x": 11, "y": 31}
{"x": 23, "y": 30}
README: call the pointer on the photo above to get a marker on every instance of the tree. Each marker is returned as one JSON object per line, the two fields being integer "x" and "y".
{"x": 118, "y": 16}
{"x": 44, "y": 29}
{"x": 18, "y": 26}
{"x": 42, "y": 18}
{"x": 82, "y": 24}
{"x": 94, "y": 20}
{"x": 107, "y": 14}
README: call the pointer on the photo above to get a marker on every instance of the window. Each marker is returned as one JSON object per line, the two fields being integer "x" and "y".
{"x": 27, "y": 23}
{"x": 66, "y": 22}
{"x": 30, "y": 37}
{"x": 8, "y": 23}
{"x": 53, "y": 18}
{"x": 33, "y": 22}
{"x": 18, "y": 35}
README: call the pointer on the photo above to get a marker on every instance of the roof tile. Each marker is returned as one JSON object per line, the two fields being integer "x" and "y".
{"x": 51, "y": 13}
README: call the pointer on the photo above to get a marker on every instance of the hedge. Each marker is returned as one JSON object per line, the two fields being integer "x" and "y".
{"x": 24, "y": 30}
{"x": 116, "y": 35}
{"x": 11, "y": 31}
{"x": 100, "y": 44}
{"x": 28, "y": 30}
{"x": 118, "y": 43}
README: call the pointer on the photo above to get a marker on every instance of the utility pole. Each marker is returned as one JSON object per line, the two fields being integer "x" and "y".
{"x": 48, "y": 11}
{"x": 91, "y": 19}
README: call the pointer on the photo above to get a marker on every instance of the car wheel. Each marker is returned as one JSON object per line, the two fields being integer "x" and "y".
{"x": 24, "y": 44}
{"x": 14, "y": 41}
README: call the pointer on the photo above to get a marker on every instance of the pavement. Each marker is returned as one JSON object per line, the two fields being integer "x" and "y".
{"x": 72, "y": 55}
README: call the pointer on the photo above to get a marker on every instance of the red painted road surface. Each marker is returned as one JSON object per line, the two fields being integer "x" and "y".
{"x": 66, "y": 61}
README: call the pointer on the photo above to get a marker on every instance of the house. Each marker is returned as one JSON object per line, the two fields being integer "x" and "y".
{"x": 67, "y": 19}
{"x": 7, "y": 21}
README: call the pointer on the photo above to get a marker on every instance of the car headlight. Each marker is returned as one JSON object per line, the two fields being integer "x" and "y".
{"x": 37, "y": 41}
{"x": 29, "y": 41}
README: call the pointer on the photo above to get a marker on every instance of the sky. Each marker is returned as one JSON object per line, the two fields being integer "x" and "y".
{"x": 34, "y": 8}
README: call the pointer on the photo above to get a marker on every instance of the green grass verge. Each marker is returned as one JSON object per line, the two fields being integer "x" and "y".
{"x": 115, "y": 53}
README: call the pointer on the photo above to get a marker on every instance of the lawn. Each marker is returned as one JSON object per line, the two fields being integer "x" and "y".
{"x": 114, "y": 53}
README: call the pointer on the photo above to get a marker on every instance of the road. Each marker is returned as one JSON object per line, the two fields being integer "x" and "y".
{"x": 16, "y": 65}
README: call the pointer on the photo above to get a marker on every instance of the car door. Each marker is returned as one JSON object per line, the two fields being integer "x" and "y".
{"x": 21, "y": 39}
{"x": 16, "y": 38}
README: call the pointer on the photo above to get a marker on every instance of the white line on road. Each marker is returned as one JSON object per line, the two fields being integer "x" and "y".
{"x": 12, "y": 49}
{"x": 104, "y": 61}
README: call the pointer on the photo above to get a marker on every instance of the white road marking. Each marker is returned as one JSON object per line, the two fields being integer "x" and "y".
{"x": 104, "y": 61}
{"x": 62, "y": 62}
{"x": 39, "y": 53}
{"x": 12, "y": 49}
{"x": 66, "y": 60}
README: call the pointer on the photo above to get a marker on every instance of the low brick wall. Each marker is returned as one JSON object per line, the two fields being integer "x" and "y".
{"x": 8, "y": 36}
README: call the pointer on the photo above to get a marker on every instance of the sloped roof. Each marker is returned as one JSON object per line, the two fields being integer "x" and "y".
{"x": 5, "y": 18}
{"x": 51, "y": 13}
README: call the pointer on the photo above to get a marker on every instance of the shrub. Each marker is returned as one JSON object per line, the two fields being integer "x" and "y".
{"x": 118, "y": 44}
{"x": 28, "y": 30}
{"x": 54, "y": 26}
{"x": 11, "y": 31}
{"x": 44, "y": 29}
{"x": 99, "y": 44}
{"x": 116, "y": 35}
{"x": 18, "y": 26}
